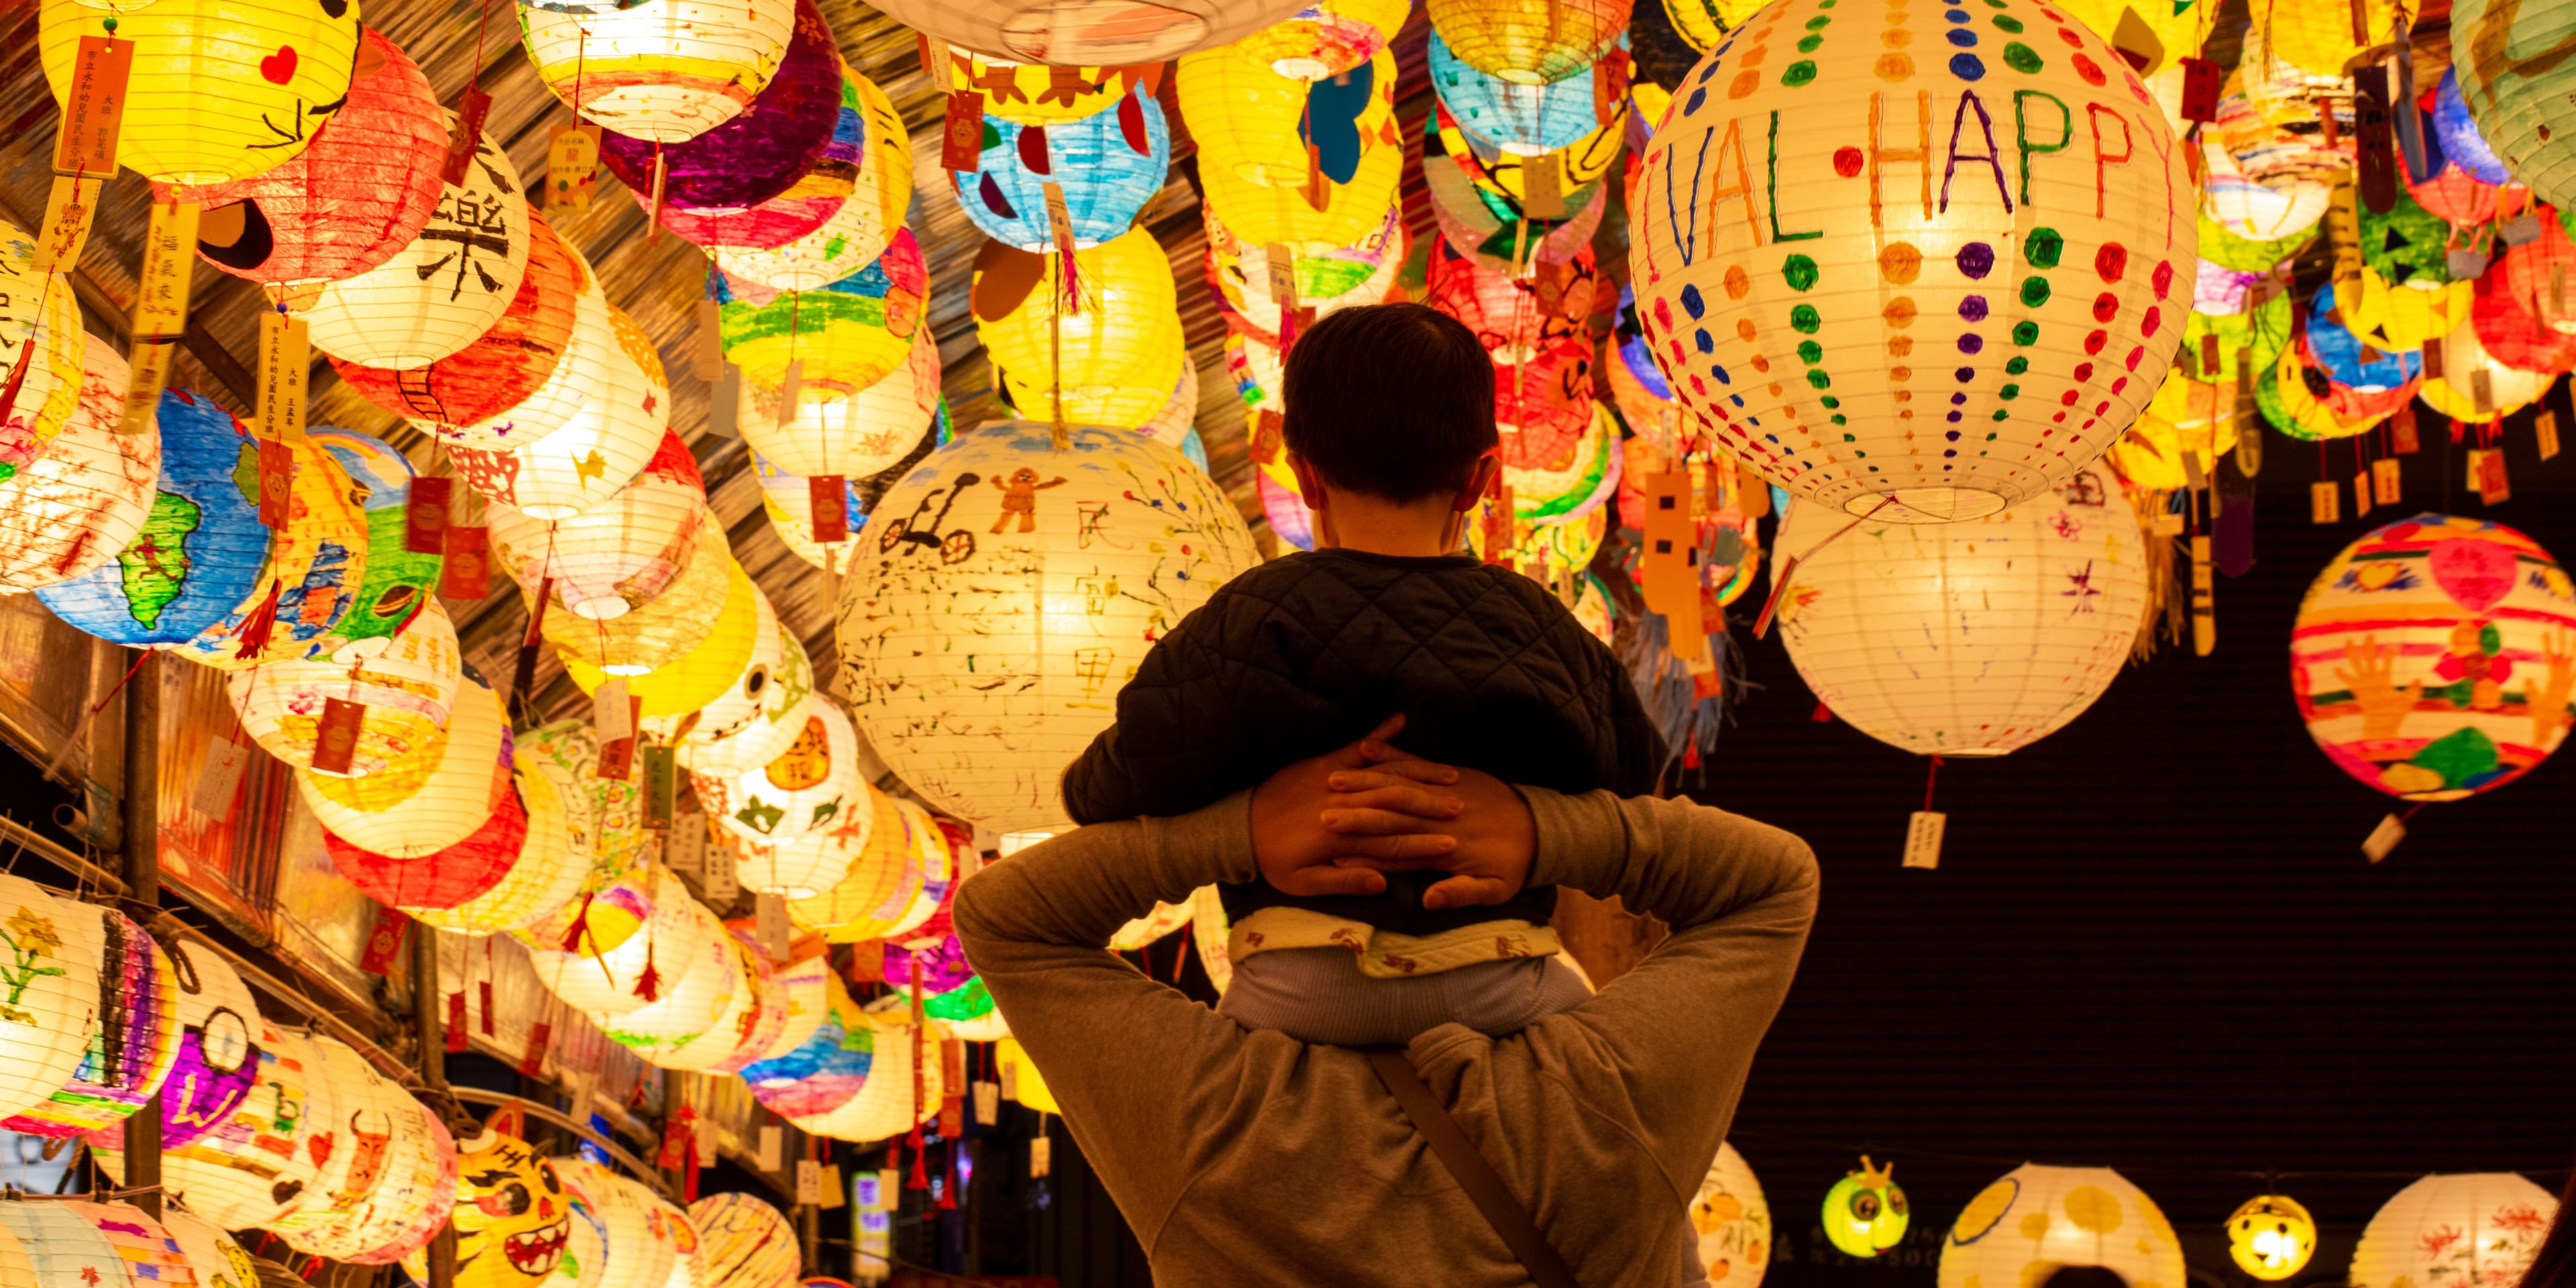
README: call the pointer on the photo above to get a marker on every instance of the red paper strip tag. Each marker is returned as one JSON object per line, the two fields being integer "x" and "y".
{"x": 952, "y": 1120}
{"x": 456, "y": 1040}
{"x": 385, "y": 941}
{"x": 483, "y": 995}
{"x": 831, "y": 510}
{"x": 533, "y": 1064}
{"x": 867, "y": 962}
{"x": 1609, "y": 86}
{"x": 468, "y": 570}
{"x": 276, "y": 482}
{"x": 94, "y": 108}
{"x": 961, "y": 146}
{"x": 471, "y": 107}
{"x": 335, "y": 739}
{"x": 2202, "y": 79}
{"x": 2401, "y": 427}
{"x": 425, "y": 516}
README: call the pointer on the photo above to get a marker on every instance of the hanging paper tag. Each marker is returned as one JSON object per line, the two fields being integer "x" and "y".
{"x": 1008, "y": 1071}
{"x": 2383, "y": 838}
{"x": 809, "y": 1183}
{"x": 1059, "y": 220}
{"x": 218, "y": 777}
{"x": 285, "y": 366}
{"x": 2201, "y": 82}
{"x": 425, "y": 515}
{"x": 1542, "y": 188}
{"x": 2194, "y": 476}
{"x": 540, "y": 1036}
{"x": 2401, "y": 427}
{"x": 661, "y": 786}
{"x": 961, "y": 144}
{"x": 2467, "y": 264}
{"x": 684, "y": 851}
{"x": 724, "y": 404}
{"x": 2325, "y": 502}
{"x": 675, "y": 1142}
{"x": 704, "y": 1136}
{"x": 2385, "y": 481}
{"x": 2544, "y": 427}
{"x": 772, "y": 1154}
{"x": 456, "y": 1036}
{"x": 769, "y": 916}
{"x": 867, "y": 962}
{"x": 721, "y": 883}
{"x": 833, "y": 1195}
{"x": 952, "y": 1116}
{"x": 610, "y": 715}
{"x": 2373, "y": 141}
{"x": 1041, "y": 1156}
{"x": 471, "y": 107}
{"x": 2489, "y": 469}
{"x": 2204, "y": 607}
{"x": 572, "y": 166}
{"x": 483, "y": 998}
{"x": 2482, "y": 391}
{"x": 2166, "y": 524}
{"x": 831, "y": 508}
{"x": 1279, "y": 262}
{"x": 988, "y": 1103}
{"x": 790, "y": 387}
{"x": 1923, "y": 838}
{"x": 69, "y": 207}
{"x": 889, "y": 1189}
{"x": 276, "y": 483}
{"x": 952, "y": 1062}
{"x": 150, "y": 364}
{"x": 384, "y": 942}
{"x": 2436, "y": 355}
{"x": 2520, "y": 229}
{"x": 706, "y": 348}
{"x": 93, "y": 108}
{"x": 2361, "y": 494}
{"x": 467, "y": 572}
{"x": 335, "y": 739}
{"x": 2209, "y": 361}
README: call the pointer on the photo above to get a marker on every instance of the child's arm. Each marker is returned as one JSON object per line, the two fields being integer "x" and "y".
{"x": 1180, "y": 738}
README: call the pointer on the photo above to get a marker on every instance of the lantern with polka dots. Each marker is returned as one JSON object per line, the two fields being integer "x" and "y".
{"x": 1949, "y": 288}
{"x": 2059, "y": 1217}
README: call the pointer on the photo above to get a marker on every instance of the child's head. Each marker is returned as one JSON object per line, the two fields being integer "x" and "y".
{"x": 1390, "y": 407}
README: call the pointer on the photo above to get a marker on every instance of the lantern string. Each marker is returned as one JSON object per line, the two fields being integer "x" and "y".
{"x": 139, "y": 655}
{"x": 1929, "y": 777}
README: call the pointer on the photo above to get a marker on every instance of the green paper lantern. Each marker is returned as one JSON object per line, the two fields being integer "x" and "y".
{"x": 1865, "y": 1212}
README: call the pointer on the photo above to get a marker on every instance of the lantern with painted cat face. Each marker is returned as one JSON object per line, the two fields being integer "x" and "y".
{"x": 512, "y": 1218}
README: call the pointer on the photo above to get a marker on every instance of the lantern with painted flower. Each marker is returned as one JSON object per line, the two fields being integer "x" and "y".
{"x": 200, "y": 551}
{"x": 663, "y": 70}
{"x": 1529, "y": 42}
{"x": 847, "y": 335}
{"x": 1111, "y": 360}
{"x": 52, "y": 973}
{"x": 86, "y": 494}
{"x": 2460, "y": 1228}
{"x": 615, "y": 556}
{"x": 1105, "y": 166}
{"x": 760, "y": 153}
{"x": 2047, "y": 294}
{"x": 2061, "y": 1216}
{"x": 406, "y": 684}
{"x": 429, "y": 799}
{"x": 2435, "y": 657}
{"x": 1733, "y": 1221}
{"x": 216, "y": 91}
{"x": 494, "y": 372}
{"x": 133, "y": 1038}
{"x": 1255, "y": 129}
{"x": 612, "y": 434}
{"x": 855, "y": 230}
{"x": 1158, "y": 536}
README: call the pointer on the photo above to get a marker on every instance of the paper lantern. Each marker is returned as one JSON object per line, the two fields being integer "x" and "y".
{"x": 754, "y": 1018}
{"x": 858, "y": 229}
{"x": 1027, "y": 93}
{"x": 934, "y": 854}
{"x": 1527, "y": 42}
{"x": 619, "y": 929}
{"x": 431, "y": 799}
{"x": 86, "y": 495}
{"x": 51, "y": 974}
{"x": 316, "y": 563}
{"x": 511, "y": 1214}
{"x": 2058, "y": 1217}
{"x": 665, "y": 628}
{"x": 442, "y": 878}
{"x": 1866, "y": 1212}
{"x": 760, "y": 153}
{"x": 802, "y": 983}
{"x": 217, "y": 91}
{"x": 216, "y": 1260}
{"x": 133, "y": 1037}
{"x": 699, "y": 971}
{"x": 585, "y": 1256}
{"x": 406, "y": 685}
{"x": 603, "y": 816}
{"x": 1505, "y": 312}
{"x": 395, "y": 582}
{"x": 2403, "y": 317}
{"x": 709, "y": 669}
{"x": 636, "y": 1259}
{"x": 2187, "y": 420}
{"x": 499, "y": 369}
{"x": 440, "y": 293}
{"x": 2286, "y": 200}
{"x": 549, "y": 871}
{"x": 413, "y": 1203}
{"x": 848, "y": 335}
{"x": 2514, "y": 92}
{"x": 352, "y": 199}
{"x": 759, "y": 713}
{"x": 1326, "y": 39}
{"x": 1495, "y": 227}
{"x": 1733, "y": 1221}
{"x": 36, "y": 308}
{"x": 59, "y": 1246}
{"x": 254, "y": 1163}
{"x": 1175, "y": 425}
{"x": 1253, "y": 127}
{"x": 2434, "y": 657}
{"x": 1328, "y": 278}
{"x": 611, "y": 437}
{"x": 215, "y": 1063}
{"x": 2151, "y": 35}
{"x": 788, "y": 501}
{"x": 201, "y": 549}
{"x": 1118, "y": 538}
{"x": 824, "y": 1071}
{"x": 2479, "y": 1228}
{"x": 1525, "y": 118}
{"x": 1502, "y": 176}
{"x": 879, "y": 882}
{"x": 615, "y": 556}
{"x": 1285, "y": 512}
{"x": 665, "y": 70}
{"x": 362, "y": 1129}
{"x": 2317, "y": 42}
{"x": 1106, "y": 166}
{"x": 2343, "y": 357}
{"x": 1113, "y": 361}
{"x": 581, "y": 365}
{"x": 1542, "y": 406}
{"x": 857, "y": 434}
{"x": 1967, "y": 639}
{"x": 803, "y": 789}
{"x": 743, "y": 1243}
{"x": 2509, "y": 329}
{"x": 818, "y": 860}
{"x": 2456, "y": 393}
{"x": 815, "y": 196}
{"x": 2061, "y": 280}
{"x": 890, "y": 1101}
{"x": 1088, "y": 33}
{"x": 2271, "y": 1237}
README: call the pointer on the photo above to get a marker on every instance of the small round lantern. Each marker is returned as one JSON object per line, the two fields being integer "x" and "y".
{"x": 879, "y": 883}
{"x": 51, "y": 977}
{"x": 1967, "y": 639}
{"x": 2434, "y": 658}
{"x": 1113, "y": 361}
{"x": 617, "y": 555}
{"x": 414, "y": 1192}
{"x": 2061, "y": 1216}
{"x": 397, "y": 582}
{"x": 743, "y": 1243}
{"x": 2477, "y": 1228}
{"x": 1106, "y": 166}
{"x": 216, "y": 91}
{"x": 497, "y": 370}
{"x": 349, "y": 202}
{"x": 854, "y": 435}
{"x": 2035, "y": 298}
{"x": 665, "y": 628}
{"x": 805, "y": 205}
{"x": 823, "y": 1072}
{"x": 934, "y": 854}
{"x": 1733, "y": 1221}
{"x": 709, "y": 669}
{"x": 446, "y": 288}
{"x": 664, "y": 70}
{"x": 1529, "y": 42}
{"x": 201, "y": 549}
{"x": 406, "y": 684}
{"x": 1328, "y": 278}
{"x": 610, "y": 438}
{"x": 848, "y": 335}
{"x": 1866, "y": 1213}
{"x": 1523, "y": 118}
{"x": 760, "y": 153}
{"x": 1254, "y": 128}
{"x": 1157, "y": 536}
{"x": 583, "y": 362}
{"x": 856, "y": 230}
{"x": 84, "y": 498}
{"x": 891, "y": 1100}
{"x": 1088, "y": 33}
{"x": 453, "y": 792}
{"x": 2271, "y": 1237}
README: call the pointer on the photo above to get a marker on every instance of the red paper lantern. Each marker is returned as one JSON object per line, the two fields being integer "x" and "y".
{"x": 1506, "y": 312}
{"x": 2508, "y": 318}
{"x": 1543, "y": 405}
{"x": 508, "y": 363}
{"x": 446, "y": 878}
{"x": 351, "y": 199}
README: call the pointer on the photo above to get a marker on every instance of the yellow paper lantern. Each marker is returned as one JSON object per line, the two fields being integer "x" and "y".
{"x": 1252, "y": 126}
{"x": 1112, "y": 361}
{"x": 1117, "y": 537}
{"x": 444, "y": 290}
{"x": 880, "y": 878}
{"x": 759, "y": 713}
{"x": 664, "y": 629}
{"x": 1529, "y": 42}
{"x": 317, "y": 563}
{"x": 1013, "y": 1061}
{"x": 549, "y": 871}
{"x": 2456, "y": 392}
{"x": 2185, "y": 418}
{"x": 87, "y": 494}
{"x": 2151, "y": 31}
{"x": 802, "y": 789}
{"x": 212, "y": 1254}
{"x": 1915, "y": 356}
{"x": 1089, "y": 32}
{"x": 36, "y": 309}
{"x": 860, "y": 228}
{"x": 2319, "y": 39}
{"x": 624, "y": 921}
{"x": 429, "y": 800}
{"x": 2271, "y": 1237}
{"x": 219, "y": 90}
{"x": 406, "y": 683}
{"x": 2462, "y": 1228}
{"x": 711, "y": 666}
{"x": 2058, "y": 1217}
{"x": 617, "y": 555}
{"x": 1705, "y": 22}
{"x": 50, "y": 975}
{"x": 513, "y": 1217}
{"x": 850, "y": 432}
{"x": 1328, "y": 279}
{"x": 1327, "y": 39}
{"x": 2417, "y": 312}
{"x": 664, "y": 70}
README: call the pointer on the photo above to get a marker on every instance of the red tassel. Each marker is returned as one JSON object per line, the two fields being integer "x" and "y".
{"x": 580, "y": 923}
{"x": 1070, "y": 276}
{"x": 262, "y": 622}
{"x": 1822, "y": 714}
{"x": 948, "y": 1192}
{"x": 920, "y": 1179}
{"x": 649, "y": 984}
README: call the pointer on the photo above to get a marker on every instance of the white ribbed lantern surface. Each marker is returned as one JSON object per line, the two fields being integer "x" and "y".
{"x": 858, "y": 230}
{"x": 2465, "y": 1230}
{"x": 86, "y": 495}
{"x": 811, "y": 785}
{"x": 621, "y": 931}
{"x": 699, "y": 974}
{"x": 615, "y": 556}
{"x": 216, "y": 1259}
{"x": 856, "y": 434}
{"x": 2056, "y": 1217}
{"x": 549, "y": 870}
{"x": 635, "y": 1258}
{"x": 444, "y": 290}
{"x": 614, "y": 430}
{"x": 1953, "y": 282}
{"x": 665, "y": 70}
{"x": 1732, "y": 1219}
{"x": 1970, "y": 638}
{"x": 1064, "y": 565}
{"x": 743, "y": 1243}
{"x": 49, "y": 961}
{"x": 886, "y": 1104}
{"x": 406, "y": 681}
{"x": 453, "y": 792}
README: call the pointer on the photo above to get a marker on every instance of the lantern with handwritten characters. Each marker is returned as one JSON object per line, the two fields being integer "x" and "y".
{"x": 217, "y": 90}
{"x": 664, "y": 70}
{"x": 2435, "y": 657}
{"x": 1108, "y": 543}
{"x": 1948, "y": 336}
{"x": 2061, "y": 1216}
{"x": 443, "y": 290}
{"x": 470, "y": 392}
{"x": 2455, "y": 1229}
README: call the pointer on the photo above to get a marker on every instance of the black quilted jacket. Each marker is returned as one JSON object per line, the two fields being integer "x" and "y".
{"x": 1307, "y": 653}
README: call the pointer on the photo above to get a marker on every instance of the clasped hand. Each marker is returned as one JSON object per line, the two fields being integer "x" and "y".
{"x": 1336, "y": 823}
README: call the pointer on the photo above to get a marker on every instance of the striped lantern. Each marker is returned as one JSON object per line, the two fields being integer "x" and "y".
{"x": 406, "y": 684}
{"x": 441, "y": 292}
{"x": 760, "y": 153}
{"x": 216, "y": 1062}
{"x": 611, "y": 436}
{"x": 859, "y": 228}
{"x": 85, "y": 497}
{"x": 52, "y": 977}
{"x": 664, "y": 70}
{"x": 429, "y": 800}
{"x": 805, "y": 205}
{"x": 846, "y": 335}
{"x": 133, "y": 1039}
{"x": 549, "y": 870}
{"x": 218, "y": 90}
{"x": 498, "y": 369}
{"x": 613, "y": 557}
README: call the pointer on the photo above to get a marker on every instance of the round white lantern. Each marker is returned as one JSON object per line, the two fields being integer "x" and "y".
{"x": 850, "y": 433}
{"x": 662, "y": 629}
{"x": 806, "y": 865}
{"x": 758, "y": 716}
{"x": 664, "y": 70}
{"x": 444, "y": 290}
{"x": 216, "y": 1259}
{"x": 613, "y": 431}
{"x": 1920, "y": 339}
{"x": 2056, "y": 1217}
{"x": 1733, "y": 1222}
{"x": 635, "y": 1258}
{"x": 2466, "y": 1230}
{"x": 86, "y": 495}
{"x": 429, "y": 800}
{"x": 614, "y": 556}
{"x": 48, "y": 992}
{"x": 754, "y": 1015}
{"x": 1065, "y": 565}
{"x": 809, "y": 786}
{"x": 626, "y": 926}
{"x": 1971, "y": 638}
{"x": 698, "y": 975}
{"x": 549, "y": 870}
{"x": 407, "y": 683}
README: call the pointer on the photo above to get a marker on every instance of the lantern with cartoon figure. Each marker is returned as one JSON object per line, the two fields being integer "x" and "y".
{"x": 512, "y": 1216}
{"x": 2271, "y": 1237}
{"x": 1865, "y": 1213}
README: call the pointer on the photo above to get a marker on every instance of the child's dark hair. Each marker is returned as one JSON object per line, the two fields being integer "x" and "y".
{"x": 1395, "y": 400}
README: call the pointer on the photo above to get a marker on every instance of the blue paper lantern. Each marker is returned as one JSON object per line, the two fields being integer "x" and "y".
{"x": 1525, "y": 120}
{"x": 2341, "y": 354}
{"x": 2462, "y": 145}
{"x": 1109, "y": 164}
{"x": 201, "y": 551}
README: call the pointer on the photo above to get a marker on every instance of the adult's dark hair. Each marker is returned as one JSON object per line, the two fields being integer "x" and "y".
{"x": 1395, "y": 400}
{"x": 2554, "y": 1266}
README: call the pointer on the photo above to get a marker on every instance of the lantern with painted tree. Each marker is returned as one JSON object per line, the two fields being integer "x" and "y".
{"x": 497, "y": 370}
{"x": 2061, "y": 1216}
{"x": 86, "y": 495}
{"x": 351, "y": 200}
{"x": 429, "y": 799}
{"x": 217, "y": 91}
{"x": 1527, "y": 42}
{"x": 1088, "y": 33}
{"x": 200, "y": 551}
{"x": 441, "y": 292}
{"x": 396, "y": 582}
{"x": 133, "y": 1037}
{"x": 406, "y": 684}
{"x": 760, "y": 153}
{"x": 850, "y": 433}
{"x": 664, "y": 628}
{"x": 710, "y": 667}
{"x": 847, "y": 335}
{"x": 856, "y": 230}
{"x": 1254, "y": 128}
{"x": 1733, "y": 1221}
{"x": 51, "y": 972}
{"x": 2435, "y": 657}
{"x": 1522, "y": 118}
{"x": 2271, "y": 1236}
{"x": 1111, "y": 361}
{"x": 2460, "y": 1229}
{"x": 2045, "y": 294}
{"x": 1156, "y": 537}
{"x": 1106, "y": 166}
{"x": 609, "y": 439}
{"x": 615, "y": 556}
{"x": 1973, "y": 638}
{"x": 664, "y": 70}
